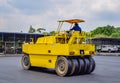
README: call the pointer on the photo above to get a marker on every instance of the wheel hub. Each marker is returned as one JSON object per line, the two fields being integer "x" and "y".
{"x": 26, "y": 61}
{"x": 62, "y": 66}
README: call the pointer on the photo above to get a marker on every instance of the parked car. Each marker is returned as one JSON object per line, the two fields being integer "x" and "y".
{"x": 107, "y": 48}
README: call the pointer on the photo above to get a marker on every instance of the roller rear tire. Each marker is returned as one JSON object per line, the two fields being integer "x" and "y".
{"x": 26, "y": 62}
{"x": 92, "y": 64}
{"x": 75, "y": 66}
{"x": 81, "y": 66}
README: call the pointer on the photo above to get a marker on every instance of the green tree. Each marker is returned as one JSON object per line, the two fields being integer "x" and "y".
{"x": 105, "y": 30}
{"x": 52, "y": 33}
{"x": 108, "y": 30}
{"x": 31, "y": 30}
{"x": 117, "y": 29}
{"x": 40, "y": 30}
{"x": 115, "y": 35}
{"x": 45, "y": 33}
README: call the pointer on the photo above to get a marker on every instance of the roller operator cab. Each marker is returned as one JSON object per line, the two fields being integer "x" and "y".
{"x": 66, "y": 52}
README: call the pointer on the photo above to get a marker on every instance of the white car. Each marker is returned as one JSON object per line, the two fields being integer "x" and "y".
{"x": 107, "y": 48}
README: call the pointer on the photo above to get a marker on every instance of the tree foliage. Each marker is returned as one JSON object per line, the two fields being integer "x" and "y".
{"x": 40, "y": 30}
{"x": 52, "y": 33}
{"x": 105, "y": 30}
{"x": 116, "y": 35}
{"x": 117, "y": 30}
{"x": 31, "y": 30}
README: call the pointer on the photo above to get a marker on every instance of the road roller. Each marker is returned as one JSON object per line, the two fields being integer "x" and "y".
{"x": 68, "y": 52}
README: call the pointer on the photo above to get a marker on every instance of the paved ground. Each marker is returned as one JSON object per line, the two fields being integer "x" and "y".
{"x": 107, "y": 71}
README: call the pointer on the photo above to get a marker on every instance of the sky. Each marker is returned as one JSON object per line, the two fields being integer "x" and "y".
{"x": 18, "y": 15}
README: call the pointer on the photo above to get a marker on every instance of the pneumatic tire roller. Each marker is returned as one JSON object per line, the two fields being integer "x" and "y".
{"x": 68, "y": 54}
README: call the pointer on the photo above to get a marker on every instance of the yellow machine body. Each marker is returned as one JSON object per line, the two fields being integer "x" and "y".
{"x": 45, "y": 51}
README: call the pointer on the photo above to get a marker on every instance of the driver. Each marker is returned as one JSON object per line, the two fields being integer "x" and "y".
{"x": 76, "y": 28}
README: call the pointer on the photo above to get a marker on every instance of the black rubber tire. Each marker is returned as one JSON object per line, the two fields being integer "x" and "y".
{"x": 75, "y": 67}
{"x": 26, "y": 62}
{"x": 92, "y": 64}
{"x": 87, "y": 65}
{"x": 81, "y": 66}
{"x": 63, "y": 66}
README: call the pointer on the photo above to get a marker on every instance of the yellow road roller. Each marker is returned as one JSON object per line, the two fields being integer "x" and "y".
{"x": 67, "y": 52}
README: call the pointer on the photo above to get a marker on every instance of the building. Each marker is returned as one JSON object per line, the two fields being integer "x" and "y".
{"x": 106, "y": 41}
{"x": 107, "y": 44}
{"x": 10, "y": 43}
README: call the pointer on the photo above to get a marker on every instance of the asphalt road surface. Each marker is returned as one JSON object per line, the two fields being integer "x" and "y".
{"x": 107, "y": 71}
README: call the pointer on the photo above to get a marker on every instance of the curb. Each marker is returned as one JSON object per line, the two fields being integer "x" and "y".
{"x": 11, "y": 55}
{"x": 108, "y": 54}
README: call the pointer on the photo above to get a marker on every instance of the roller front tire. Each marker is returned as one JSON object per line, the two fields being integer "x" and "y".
{"x": 63, "y": 66}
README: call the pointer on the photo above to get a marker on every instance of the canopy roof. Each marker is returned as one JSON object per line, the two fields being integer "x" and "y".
{"x": 72, "y": 21}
